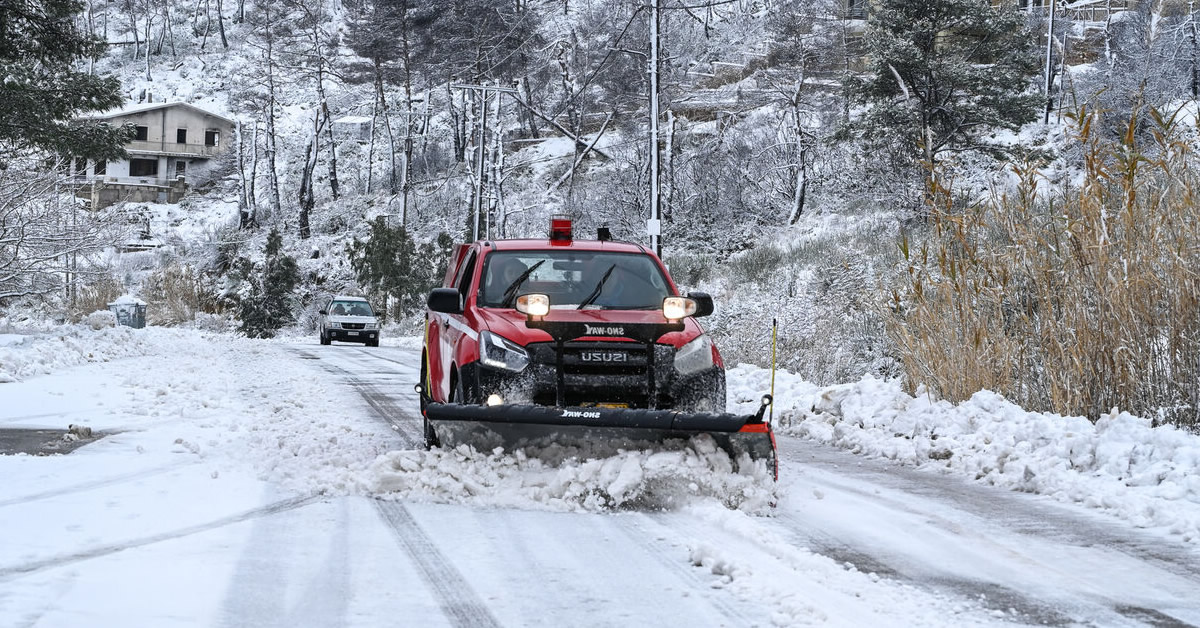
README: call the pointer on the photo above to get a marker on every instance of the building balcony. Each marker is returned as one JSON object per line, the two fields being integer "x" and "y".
{"x": 174, "y": 148}
{"x": 152, "y": 180}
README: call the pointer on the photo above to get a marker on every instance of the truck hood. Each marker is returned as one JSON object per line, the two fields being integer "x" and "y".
{"x": 511, "y": 323}
{"x": 333, "y": 318}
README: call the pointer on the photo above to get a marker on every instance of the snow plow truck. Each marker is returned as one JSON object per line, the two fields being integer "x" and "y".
{"x": 564, "y": 341}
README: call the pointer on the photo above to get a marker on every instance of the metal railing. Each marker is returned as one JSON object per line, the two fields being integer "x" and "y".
{"x": 1082, "y": 10}
{"x": 81, "y": 179}
{"x": 202, "y": 150}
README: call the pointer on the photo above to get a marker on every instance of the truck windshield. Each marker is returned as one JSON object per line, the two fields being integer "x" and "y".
{"x": 591, "y": 279}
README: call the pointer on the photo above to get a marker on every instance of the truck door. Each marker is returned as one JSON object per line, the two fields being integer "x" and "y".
{"x": 453, "y": 329}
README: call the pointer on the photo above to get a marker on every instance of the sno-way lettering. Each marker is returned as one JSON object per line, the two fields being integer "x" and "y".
{"x": 599, "y": 330}
{"x": 580, "y": 414}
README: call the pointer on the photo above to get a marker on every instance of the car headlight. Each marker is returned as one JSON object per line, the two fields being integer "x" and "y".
{"x": 695, "y": 356}
{"x": 499, "y": 352}
{"x": 370, "y": 325}
{"x": 335, "y": 325}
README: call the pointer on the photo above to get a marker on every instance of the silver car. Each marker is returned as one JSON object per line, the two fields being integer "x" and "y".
{"x": 349, "y": 319}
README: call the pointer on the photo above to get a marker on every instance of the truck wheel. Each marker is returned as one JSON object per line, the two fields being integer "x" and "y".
{"x": 424, "y": 381}
{"x": 324, "y": 338}
{"x": 431, "y": 439}
{"x": 373, "y": 343}
{"x": 458, "y": 396}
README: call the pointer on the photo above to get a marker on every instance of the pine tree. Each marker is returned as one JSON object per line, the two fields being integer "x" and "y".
{"x": 41, "y": 92}
{"x": 269, "y": 304}
{"x": 942, "y": 72}
{"x": 391, "y": 264}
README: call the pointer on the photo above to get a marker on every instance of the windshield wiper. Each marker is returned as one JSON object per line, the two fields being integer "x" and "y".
{"x": 599, "y": 287}
{"x": 510, "y": 293}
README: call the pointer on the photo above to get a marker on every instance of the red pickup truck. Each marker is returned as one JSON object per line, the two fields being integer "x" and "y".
{"x": 534, "y": 340}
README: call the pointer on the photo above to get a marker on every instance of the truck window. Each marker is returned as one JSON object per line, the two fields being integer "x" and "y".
{"x": 625, "y": 281}
{"x": 464, "y": 277}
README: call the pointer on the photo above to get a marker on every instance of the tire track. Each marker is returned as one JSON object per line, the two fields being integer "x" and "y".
{"x": 1013, "y": 512}
{"x": 987, "y": 517}
{"x": 384, "y": 405}
{"x": 85, "y": 486}
{"x": 7, "y": 573}
{"x": 454, "y": 594}
{"x": 378, "y": 356}
{"x": 666, "y": 553}
{"x": 990, "y": 595}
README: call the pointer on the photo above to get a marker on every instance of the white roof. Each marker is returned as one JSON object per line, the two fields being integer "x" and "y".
{"x": 343, "y": 297}
{"x": 131, "y": 109}
{"x": 352, "y": 120}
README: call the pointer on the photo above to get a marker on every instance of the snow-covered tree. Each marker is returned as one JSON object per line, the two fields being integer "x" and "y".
{"x": 42, "y": 91}
{"x": 944, "y": 72}
{"x": 391, "y": 265}
{"x": 45, "y": 243}
{"x": 268, "y": 304}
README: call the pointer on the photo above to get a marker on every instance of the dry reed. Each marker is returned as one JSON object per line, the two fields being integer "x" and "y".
{"x": 1068, "y": 300}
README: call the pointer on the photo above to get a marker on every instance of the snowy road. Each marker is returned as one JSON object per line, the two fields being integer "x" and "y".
{"x": 247, "y": 483}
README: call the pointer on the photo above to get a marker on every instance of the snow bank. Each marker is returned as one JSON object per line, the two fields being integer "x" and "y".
{"x": 1121, "y": 463}
{"x": 70, "y": 345}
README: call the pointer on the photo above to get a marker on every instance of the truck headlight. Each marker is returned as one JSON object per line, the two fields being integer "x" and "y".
{"x": 534, "y": 305}
{"x": 675, "y": 308}
{"x": 499, "y": 352}
{"x": 695, "y": 356}
{"x": 370, "y": 325}
{"x": 335, "y": 325}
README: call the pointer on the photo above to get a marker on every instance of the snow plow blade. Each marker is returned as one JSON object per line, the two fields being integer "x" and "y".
{"x": 516, "y": 426}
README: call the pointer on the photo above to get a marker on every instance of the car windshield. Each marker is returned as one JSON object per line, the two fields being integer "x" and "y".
{"x": 574, "y": 279}
{"x": 350, "y": 308}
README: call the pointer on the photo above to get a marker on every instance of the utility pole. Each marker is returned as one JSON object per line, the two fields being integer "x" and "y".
{"x": 654, "y": 224}
{"x": 406, "y": 170}
{"x": 484, "y": 94}
{"x": 1049, "y": 64}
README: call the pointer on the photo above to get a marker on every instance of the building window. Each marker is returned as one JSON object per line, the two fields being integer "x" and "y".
{"x": 101, "y": 167}
{"x": 210, "y": 137}
{"x": 143, "y": 167}
{"x": 856, "y": 9}
{"x": 143, "y": 133}
{"x": 180, "y": 168}
{"x": 81, "y": 167}
{"x": 181, "y": 136}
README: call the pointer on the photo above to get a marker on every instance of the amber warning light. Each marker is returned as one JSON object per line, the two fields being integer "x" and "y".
{"x": 560, "y": 229}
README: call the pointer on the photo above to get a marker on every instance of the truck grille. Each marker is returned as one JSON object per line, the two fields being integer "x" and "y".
{"x": 353, "y": 325}
{"x": 600, "y": 371}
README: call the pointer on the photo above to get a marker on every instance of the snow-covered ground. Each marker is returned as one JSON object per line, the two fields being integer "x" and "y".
{"x": 1120, "y": 464}
{"x": 206, "y": 434}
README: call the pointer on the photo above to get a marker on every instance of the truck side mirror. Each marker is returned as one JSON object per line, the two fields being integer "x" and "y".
{"x": 445, "y": 300}
{"x": 704, "y": 303}
{"x": 324, "y": 312}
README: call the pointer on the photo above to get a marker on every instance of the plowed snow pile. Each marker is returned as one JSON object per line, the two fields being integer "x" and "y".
{"x": 570, "y": 479}
{"x": 1120, "y": 463}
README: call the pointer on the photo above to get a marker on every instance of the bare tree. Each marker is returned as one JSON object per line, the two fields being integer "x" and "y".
{"x": 42, "y": 236}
